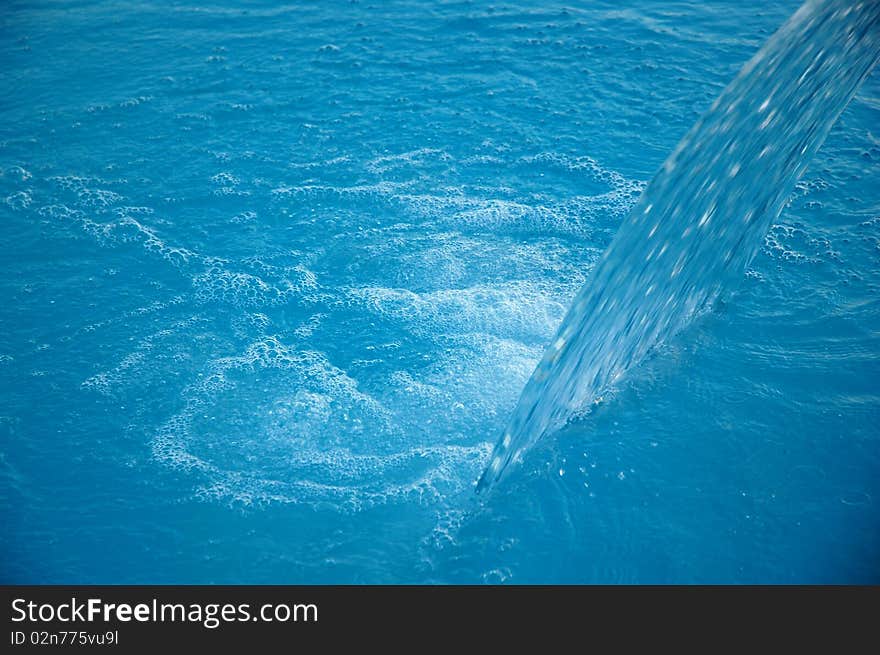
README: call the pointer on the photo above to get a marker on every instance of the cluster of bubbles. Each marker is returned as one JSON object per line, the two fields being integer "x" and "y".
{"x": 265, "y": 408}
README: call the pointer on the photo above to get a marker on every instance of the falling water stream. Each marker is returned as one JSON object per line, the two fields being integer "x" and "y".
{"x": 703, "y": 216}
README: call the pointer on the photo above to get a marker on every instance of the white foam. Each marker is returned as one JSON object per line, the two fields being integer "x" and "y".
{"x": 521, "y": 309}
{"x": 312, "y": 440}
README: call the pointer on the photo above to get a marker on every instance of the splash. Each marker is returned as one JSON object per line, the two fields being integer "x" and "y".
{"x": 702, "y": 218}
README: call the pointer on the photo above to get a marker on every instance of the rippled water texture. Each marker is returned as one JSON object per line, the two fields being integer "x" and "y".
{"x": 275, "y": 276}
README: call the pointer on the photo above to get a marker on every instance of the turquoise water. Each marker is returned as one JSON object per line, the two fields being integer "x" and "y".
{"x": 276, "y": 275}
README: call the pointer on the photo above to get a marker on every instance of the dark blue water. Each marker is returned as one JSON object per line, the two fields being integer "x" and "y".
{"x": 275, "y": 276}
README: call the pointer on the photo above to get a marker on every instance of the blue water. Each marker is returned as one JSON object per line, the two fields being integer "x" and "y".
{"x": 274, "y": 277}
